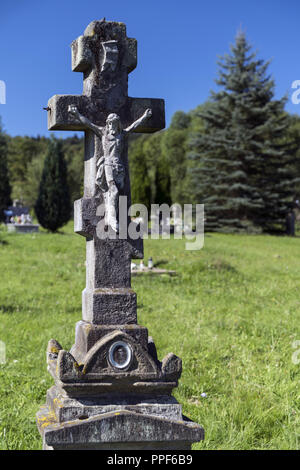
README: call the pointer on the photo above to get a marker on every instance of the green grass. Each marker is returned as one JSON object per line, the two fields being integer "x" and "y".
{"x": 231, "y": 314}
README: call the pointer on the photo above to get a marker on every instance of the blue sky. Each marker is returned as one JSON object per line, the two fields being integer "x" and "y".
{"x": 178, "y": 45}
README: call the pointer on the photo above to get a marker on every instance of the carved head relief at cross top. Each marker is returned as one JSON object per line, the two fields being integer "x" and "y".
{"x": 110, "y": 176}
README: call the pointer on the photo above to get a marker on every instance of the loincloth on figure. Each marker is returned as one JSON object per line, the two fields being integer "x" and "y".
{"x": 109, "y": 172}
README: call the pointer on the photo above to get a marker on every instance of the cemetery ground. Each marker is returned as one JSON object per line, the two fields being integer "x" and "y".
{"x": 232, "y": 314}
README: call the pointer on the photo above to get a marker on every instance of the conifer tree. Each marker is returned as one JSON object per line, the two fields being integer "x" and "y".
{"x": 244, "y": 178}
{"x": 5, "y": 188}
{"x": 53, "y": 208}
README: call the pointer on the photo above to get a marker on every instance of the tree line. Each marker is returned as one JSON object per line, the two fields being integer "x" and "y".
{"x": 238, "y": 153}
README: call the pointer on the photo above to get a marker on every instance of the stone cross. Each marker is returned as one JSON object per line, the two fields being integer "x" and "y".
{"x": 111, "y": 391}
{"x": 106, "y": 56}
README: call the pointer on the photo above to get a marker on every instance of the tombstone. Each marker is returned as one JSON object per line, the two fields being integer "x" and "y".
{"x": 24, "y": 223}
{"x": 111, "y": 391}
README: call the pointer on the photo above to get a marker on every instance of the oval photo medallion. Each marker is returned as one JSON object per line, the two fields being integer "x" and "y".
{"x": 120, "y": 355}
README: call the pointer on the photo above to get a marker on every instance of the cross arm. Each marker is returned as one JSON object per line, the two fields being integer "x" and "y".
{"x": 86, "y": 221}
{"x": 85, "y": 121}
{"x": 136, "y": 107}
{"x": 59, "y": 117}
{"x": 140, "y": 121}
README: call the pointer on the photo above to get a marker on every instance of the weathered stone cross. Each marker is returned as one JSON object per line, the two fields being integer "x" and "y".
{"x": 111, "y": 391}
{"x": 105, "y": 56}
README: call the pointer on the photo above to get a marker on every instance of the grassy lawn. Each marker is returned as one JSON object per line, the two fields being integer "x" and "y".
{"x": 231, "y": 314}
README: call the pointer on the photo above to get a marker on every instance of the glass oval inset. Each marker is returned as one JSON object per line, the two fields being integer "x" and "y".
{"x": 120, "y": 355}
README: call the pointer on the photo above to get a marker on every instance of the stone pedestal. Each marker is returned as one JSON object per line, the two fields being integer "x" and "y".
{"x": 121, "y": 430}
{"x": 112, "y": 392}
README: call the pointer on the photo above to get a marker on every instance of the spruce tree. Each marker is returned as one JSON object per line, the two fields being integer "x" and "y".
{"x": 53, "y": 208}
{"x": 5, "y": 188}
{"x": 244, "y": 177}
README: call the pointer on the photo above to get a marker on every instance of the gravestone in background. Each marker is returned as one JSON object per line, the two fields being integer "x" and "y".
{"x": 19, "y": 212}
{"x": 111, "y": 391}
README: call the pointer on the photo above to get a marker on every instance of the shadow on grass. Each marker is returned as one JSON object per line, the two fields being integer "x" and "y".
{"x": 9, "y": 308}
{"x": 221, "y": 265}
{"x": 60, "y": 232}
{"x": 72, "y": 310}
{"x": 217, "y": 266}
{"x": 160, "y": 262}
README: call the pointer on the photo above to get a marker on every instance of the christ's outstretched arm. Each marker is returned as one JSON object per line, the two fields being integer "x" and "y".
{"x": 85, "y": 121}
{"x": 134, "y": 125}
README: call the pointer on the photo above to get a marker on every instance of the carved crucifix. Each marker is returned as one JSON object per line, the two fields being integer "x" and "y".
{"x": 111, "y": 391}
{"x": 110, "y": 175}
{"x": 106, "y": 114}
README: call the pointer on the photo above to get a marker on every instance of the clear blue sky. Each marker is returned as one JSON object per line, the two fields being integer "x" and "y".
{"x": 178, "y": 45}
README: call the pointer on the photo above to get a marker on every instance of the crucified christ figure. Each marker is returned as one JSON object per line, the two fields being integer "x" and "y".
{"x": 110, "y": 175}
